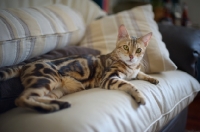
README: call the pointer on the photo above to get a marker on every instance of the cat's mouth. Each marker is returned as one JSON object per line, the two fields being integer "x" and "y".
{"x": 130, "y": 61}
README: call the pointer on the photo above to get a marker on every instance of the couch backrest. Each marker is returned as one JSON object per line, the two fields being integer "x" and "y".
{"x": 184, "y": 47}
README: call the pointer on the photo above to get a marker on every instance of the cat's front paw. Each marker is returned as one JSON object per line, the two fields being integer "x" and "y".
{"x": 139, "y": 98}
{"x": 153, "y": 81}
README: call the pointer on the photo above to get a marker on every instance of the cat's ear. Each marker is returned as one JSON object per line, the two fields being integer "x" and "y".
{"x": 122, "y": 32}
{"x": 146, "y": 38}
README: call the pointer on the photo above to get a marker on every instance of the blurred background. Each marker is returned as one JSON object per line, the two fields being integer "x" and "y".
{"x": 177, "y": 12}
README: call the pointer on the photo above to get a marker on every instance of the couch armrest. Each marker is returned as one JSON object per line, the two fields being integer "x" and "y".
{"x": 183, "y": 45}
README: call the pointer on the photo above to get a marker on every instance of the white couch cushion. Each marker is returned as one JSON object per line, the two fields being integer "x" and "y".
{"x": 111, "y": 110}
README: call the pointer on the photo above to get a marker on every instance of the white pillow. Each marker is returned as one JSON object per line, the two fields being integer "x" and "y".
{"x": 30, "y": 32}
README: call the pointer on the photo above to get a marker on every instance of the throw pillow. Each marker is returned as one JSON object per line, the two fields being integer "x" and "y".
{"x": 29, "y": 32}
{"x": 102, "y": 35}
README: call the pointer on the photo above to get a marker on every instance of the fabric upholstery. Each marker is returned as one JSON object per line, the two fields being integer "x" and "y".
{"x": 29, "y": 32}
{"x": 102, "y": 35}
{"x": 177, "y": 124}
{"x": 11, "y": 88}
{"x": 111, "y": 110}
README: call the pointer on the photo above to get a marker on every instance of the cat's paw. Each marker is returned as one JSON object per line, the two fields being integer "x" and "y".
{"x": 62, "y": 105}
{"x": 139, "y": 98}
{"x": 153, "y": 81}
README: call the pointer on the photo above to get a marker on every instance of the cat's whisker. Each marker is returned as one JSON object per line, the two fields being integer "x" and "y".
{"x": 144, "y": 64}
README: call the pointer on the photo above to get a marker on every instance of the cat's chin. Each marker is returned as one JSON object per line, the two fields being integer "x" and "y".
{"x": 129, "y": 62}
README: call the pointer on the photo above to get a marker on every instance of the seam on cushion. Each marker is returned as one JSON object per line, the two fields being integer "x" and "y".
{"x": 39, "y": 36}
{"x": 162, "y": 115}
{"x": 30, "y": 48}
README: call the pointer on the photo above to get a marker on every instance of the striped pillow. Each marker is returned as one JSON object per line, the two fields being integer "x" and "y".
{"x": 30, "y": 32}
{"x": 102, "y": 35}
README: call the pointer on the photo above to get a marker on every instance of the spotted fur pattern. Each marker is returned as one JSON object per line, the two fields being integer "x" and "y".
{"x": 46, "y": 81}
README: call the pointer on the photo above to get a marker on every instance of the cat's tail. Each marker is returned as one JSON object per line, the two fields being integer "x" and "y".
{"x": 7, "y": 73}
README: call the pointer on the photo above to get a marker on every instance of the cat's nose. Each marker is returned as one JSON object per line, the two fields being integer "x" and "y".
{"x": 131, "y": 57}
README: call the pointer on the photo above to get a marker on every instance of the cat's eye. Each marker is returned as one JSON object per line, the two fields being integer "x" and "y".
{"x": 126, "y": 47}
{"x": 138, "y": 50}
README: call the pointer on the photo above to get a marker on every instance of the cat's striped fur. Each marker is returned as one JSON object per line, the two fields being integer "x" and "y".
{"x": 47, "y": 80}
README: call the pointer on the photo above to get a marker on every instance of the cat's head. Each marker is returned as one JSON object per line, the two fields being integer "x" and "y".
{"x": 129, "y": 49}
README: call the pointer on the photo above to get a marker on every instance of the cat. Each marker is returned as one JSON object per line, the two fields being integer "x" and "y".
{"x": 45, "y": 81}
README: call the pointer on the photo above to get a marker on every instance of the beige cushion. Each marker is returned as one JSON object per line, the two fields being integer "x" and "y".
{"x": 29, "y": 32}
{"x": 102, "y": 35}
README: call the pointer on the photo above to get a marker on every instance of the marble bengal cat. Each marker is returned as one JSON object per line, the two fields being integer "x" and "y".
{"x": 45, "y": 81}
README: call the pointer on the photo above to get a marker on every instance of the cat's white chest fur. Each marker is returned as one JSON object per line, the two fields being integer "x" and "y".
{"x": 132, "y": 74}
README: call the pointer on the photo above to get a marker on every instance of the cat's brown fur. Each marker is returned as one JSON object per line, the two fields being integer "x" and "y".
{"x": 47, "y": 80}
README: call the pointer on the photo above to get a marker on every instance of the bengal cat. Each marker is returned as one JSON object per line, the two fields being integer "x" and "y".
{"x": 45, "y": 81}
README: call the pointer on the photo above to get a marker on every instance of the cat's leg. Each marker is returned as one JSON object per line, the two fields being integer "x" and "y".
{"x": 50, "y": 104}
{"x": 116, "y": 83}
{"x": 40, "y": 103}
{"x": 71, "y": 85}
{"x": 143, "y": 76}
{"x": 43, "y": 99}
{"x": 34, "y": 96}
{"x": 56, "y": 93}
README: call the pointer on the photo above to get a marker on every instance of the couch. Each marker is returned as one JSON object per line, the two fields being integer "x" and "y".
{"x": 98, "y": 109}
